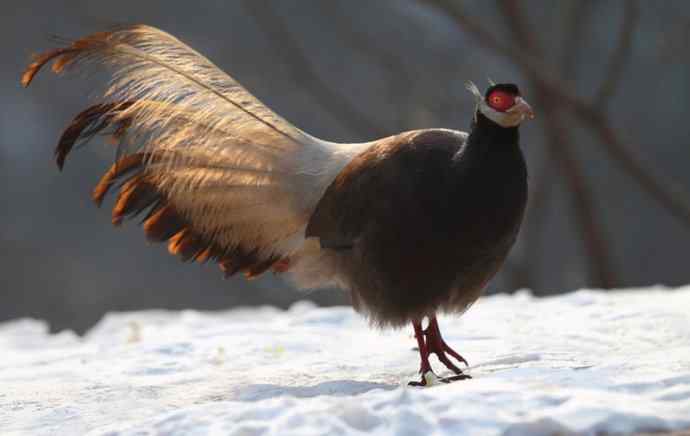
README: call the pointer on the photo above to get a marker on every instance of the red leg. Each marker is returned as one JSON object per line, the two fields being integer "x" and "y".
{"x": 437, "y": 345}
{"x": 423, "y": 350}
{"x": 425, "y": 366}
{"x": 430, "y": 341}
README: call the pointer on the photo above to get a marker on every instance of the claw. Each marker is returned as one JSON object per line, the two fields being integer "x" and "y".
{"x": 455, "y": 354}
{"x": 446, "y": 361}
{"x": 430, "y": 341}
{"x": 431, "y": 379}
{"x": 453, "y": 378}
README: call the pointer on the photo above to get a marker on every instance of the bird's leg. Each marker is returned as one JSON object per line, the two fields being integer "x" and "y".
{"x": 425, "y": 366}
{"x": 423, "y": 349}
{"x": 430, "y": 341}
{"x": 435, "y": 344}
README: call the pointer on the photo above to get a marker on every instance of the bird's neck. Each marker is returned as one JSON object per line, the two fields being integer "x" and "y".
{"x": 486, "y": 135}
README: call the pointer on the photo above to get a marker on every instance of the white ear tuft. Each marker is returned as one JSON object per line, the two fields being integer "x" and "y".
{"x": 473, "y": 89}
{"x": 491, "y": 82}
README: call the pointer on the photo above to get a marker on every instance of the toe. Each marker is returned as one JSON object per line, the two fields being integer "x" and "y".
{"x": 450, "y": 365}
{"x": 455, "y": 378}
{"x": 455, "y": 354}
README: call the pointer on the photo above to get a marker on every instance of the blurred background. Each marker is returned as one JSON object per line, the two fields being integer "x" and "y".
{"x": 608, "y": 154}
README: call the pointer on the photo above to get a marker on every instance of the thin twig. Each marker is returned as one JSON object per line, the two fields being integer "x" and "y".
{"x": 577, "y": 13}
{"x": 589, "y": 114}
{"x": 400, "y": 79}
{"x": 575, "y": 19}
{"x": 559, "y": 145}
{"x": 602, "y": 273}
{"x": 621, "y": 54}
{"x": 533, "y": 229}
{"x": 304, "y": 73}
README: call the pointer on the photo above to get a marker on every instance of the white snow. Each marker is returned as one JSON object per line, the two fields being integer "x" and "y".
{"x": 588, "y": 362}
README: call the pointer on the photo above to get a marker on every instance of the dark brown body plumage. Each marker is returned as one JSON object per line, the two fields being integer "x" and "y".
{"x": 422, "y": 220}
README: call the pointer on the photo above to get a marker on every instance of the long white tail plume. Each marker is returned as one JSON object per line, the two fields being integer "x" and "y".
{"x": 241, "y": 179}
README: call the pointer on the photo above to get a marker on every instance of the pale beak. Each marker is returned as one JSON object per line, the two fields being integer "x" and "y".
{"x": 523, "y": 108}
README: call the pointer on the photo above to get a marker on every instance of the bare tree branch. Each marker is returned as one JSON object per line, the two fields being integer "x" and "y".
{"x": 588, "y": 113}
{"x": 304, "y": 73}
{"x": 577, "y": 13}
{"x": 400, "y": 78}
{"x": 619, "y": 58}
{"x": 594, "y": 239}
{"x": 575, "y": 19}
{"x": 527, "y": 40}
{"x": 559, "y": 145}
{"x": 541, "y": 188}
{"x": 526, "y": 61}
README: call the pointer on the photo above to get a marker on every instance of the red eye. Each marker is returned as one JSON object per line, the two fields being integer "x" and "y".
{"x": 501, "y": 100}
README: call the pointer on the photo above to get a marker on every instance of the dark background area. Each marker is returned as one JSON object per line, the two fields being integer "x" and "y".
{"x": 608, "y": 154}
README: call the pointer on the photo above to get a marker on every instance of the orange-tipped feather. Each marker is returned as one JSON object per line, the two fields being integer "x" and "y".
{"x": 86, "y": 124}
{"x": 259, "y": 268}
{"x": 175, "y": 240}
{"x": 117, "y": 170}
{"x": 189, "y": 247}
{"x": 39, "y": 61}
{"x": 135, "y": 196}
{"x": 204, "y": 255}
{"x": 63, "y": 56}
{"x": 163, "y": 224}
{"x": 228, "y": 267}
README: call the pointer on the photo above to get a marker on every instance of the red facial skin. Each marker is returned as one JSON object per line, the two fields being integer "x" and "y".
{"x": 500, "y": 100}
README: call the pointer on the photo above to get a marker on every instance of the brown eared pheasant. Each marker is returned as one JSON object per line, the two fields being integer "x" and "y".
{"x": 410, "y": 225}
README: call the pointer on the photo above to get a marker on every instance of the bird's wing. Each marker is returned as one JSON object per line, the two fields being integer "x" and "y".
{"x": 214, "y": 172}
{"x": 383, "y": 186}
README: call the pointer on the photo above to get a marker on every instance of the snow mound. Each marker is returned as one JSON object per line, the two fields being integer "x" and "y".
{"x": 585, "y": 362}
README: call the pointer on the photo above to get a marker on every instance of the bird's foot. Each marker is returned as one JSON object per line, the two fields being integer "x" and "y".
{"x": 431, "y": 379}
{"x": 436, "y": 345}
{"x": 431, "y": 342}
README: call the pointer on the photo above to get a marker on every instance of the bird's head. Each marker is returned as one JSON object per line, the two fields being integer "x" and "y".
{"x": 502, "y": 104}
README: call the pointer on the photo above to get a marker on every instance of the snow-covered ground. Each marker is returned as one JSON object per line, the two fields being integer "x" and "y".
{"x": 585, "y": 362}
